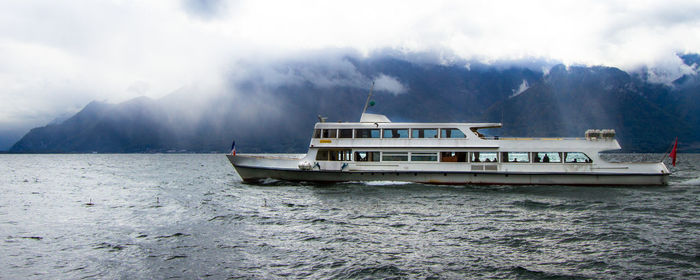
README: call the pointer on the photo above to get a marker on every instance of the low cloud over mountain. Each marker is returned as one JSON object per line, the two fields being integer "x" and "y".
{"x": 272, "y": 107}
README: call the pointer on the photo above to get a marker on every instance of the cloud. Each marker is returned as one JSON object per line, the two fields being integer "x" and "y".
{"x": 205, "y": 9}
{"x": 667, "y": 70}
{"x": 522, "y": 88}
{"x": 322, "y": 68}
{"x": 390, "y": 84}
{"x": 59, "y": 55}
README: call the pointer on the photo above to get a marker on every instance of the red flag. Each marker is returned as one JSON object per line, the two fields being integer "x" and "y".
{"x": 673, "y": 152}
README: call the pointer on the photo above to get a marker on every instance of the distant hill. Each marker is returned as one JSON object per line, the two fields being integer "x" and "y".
{"x": 569, "y": 101}
{"x": 278, "y": 116}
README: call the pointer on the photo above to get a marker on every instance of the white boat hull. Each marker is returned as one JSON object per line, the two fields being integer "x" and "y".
{"x": 285, "y": 169}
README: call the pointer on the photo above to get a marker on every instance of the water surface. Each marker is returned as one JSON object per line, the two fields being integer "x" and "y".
{"x": 189, "y": 216}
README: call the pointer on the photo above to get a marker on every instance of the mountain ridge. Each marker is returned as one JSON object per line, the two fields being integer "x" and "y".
{"x": 279, "y": 117}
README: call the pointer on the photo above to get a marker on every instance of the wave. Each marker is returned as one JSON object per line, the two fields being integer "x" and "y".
{"x": 691, "y": 182}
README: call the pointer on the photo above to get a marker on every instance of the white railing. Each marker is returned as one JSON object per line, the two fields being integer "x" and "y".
{"x": 531, "y": 138}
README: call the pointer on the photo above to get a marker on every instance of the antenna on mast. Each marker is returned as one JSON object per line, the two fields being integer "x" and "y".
{"x": 368, "y": 98}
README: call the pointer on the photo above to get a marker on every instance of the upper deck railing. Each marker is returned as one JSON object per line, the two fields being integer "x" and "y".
{"x": 531, "y": 138}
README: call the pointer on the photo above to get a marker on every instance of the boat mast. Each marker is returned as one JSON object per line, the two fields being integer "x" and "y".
{"x": 368, "y": 98}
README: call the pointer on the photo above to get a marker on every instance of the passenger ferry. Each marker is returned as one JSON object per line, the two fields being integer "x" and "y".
{"x": 376, "y": 149}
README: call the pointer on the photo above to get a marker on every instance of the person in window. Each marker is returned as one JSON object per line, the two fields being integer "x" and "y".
{"x": 537, "y": 158}
{"x": 545, "y": 158}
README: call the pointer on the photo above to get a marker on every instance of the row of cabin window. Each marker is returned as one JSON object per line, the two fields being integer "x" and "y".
{"x": 389, "y": 133}
{"x": 507, "y": 157}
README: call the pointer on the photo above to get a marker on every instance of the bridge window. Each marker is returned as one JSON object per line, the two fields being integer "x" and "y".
{"x": 345, "y": 133}
{"x": 366, "y": 156}
{"x": 424, "y": 157}
{"x": 424, "y": 132}
{"x": 546, "y": 157}
{"x": 394, "y": 156}
{"x": 519, "y": 157}
{"x": 451, "y": 133}
{"x": 484, "y": 157}
{"x": 317, "y": 133}
{"x": 396, "y": 133}
{"x": 329, "y": 133}
{"x": 576, "y": 158}
{"x": 367, "y": 133}
{"x": 453, "y": 156}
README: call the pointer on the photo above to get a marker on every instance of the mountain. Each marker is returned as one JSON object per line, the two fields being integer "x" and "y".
{"x": 132, "y": 126}
{"x": 274, "y": 109}
{"x": 569, "y": 101}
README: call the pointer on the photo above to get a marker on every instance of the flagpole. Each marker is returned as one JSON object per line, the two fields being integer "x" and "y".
{"x": 668, "y": 150}
{"x": 368, "y": 98}
{"x": 666, "y": 153}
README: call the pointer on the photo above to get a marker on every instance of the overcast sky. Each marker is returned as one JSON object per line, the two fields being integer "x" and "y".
{"x": 57, "y": 55}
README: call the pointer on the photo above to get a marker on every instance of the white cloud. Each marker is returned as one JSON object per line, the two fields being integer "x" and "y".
{"x": 323, "y": 69}
{"x": 522, "y": 88}
{"x": 58, "y": 55}
{"x": 390, "y": 84}
{"x": 667, "y": 70}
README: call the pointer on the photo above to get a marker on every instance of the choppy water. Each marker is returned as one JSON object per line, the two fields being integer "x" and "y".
{"x": 189, "y": 216}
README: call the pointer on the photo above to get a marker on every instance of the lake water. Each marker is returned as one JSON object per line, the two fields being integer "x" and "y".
{"x": 189, "y": 216}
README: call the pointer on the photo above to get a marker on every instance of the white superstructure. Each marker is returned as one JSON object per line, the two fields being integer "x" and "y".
{"x": 449, "y": 153}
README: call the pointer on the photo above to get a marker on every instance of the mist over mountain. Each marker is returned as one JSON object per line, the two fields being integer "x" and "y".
{"x": 274, "y": 107}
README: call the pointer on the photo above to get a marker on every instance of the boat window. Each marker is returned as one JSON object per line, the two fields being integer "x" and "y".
{"x": 322, "y": 155}
{"x": 329, "y": 133}
{"x": 334, "y": 154}
{"x": 576, "y": 158}
{"x": 484, "y": 157}
{"x": 546, "y": 157}
{"x": 394, "y": 156}
{"x": 520, "y": 157}
{"x": 424, "y": 132}
{"x": 366, "y": 156}
{"x": 451, "y": 133}
{"x": 453, "y": 156}
{"x": 367, "y": 133}
{"x": 340, "y": 155}
{"x": 345, "y": 133}
{"x": 424, "y": 157}
{"x": 396, "y": 133}
{"x": 317, "y": 133}
{"x": 476, "y": 131}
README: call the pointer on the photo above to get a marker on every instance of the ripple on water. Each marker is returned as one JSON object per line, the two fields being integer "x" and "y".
{"x": 189, "y": 216}
{"x": 369, "y": 272}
